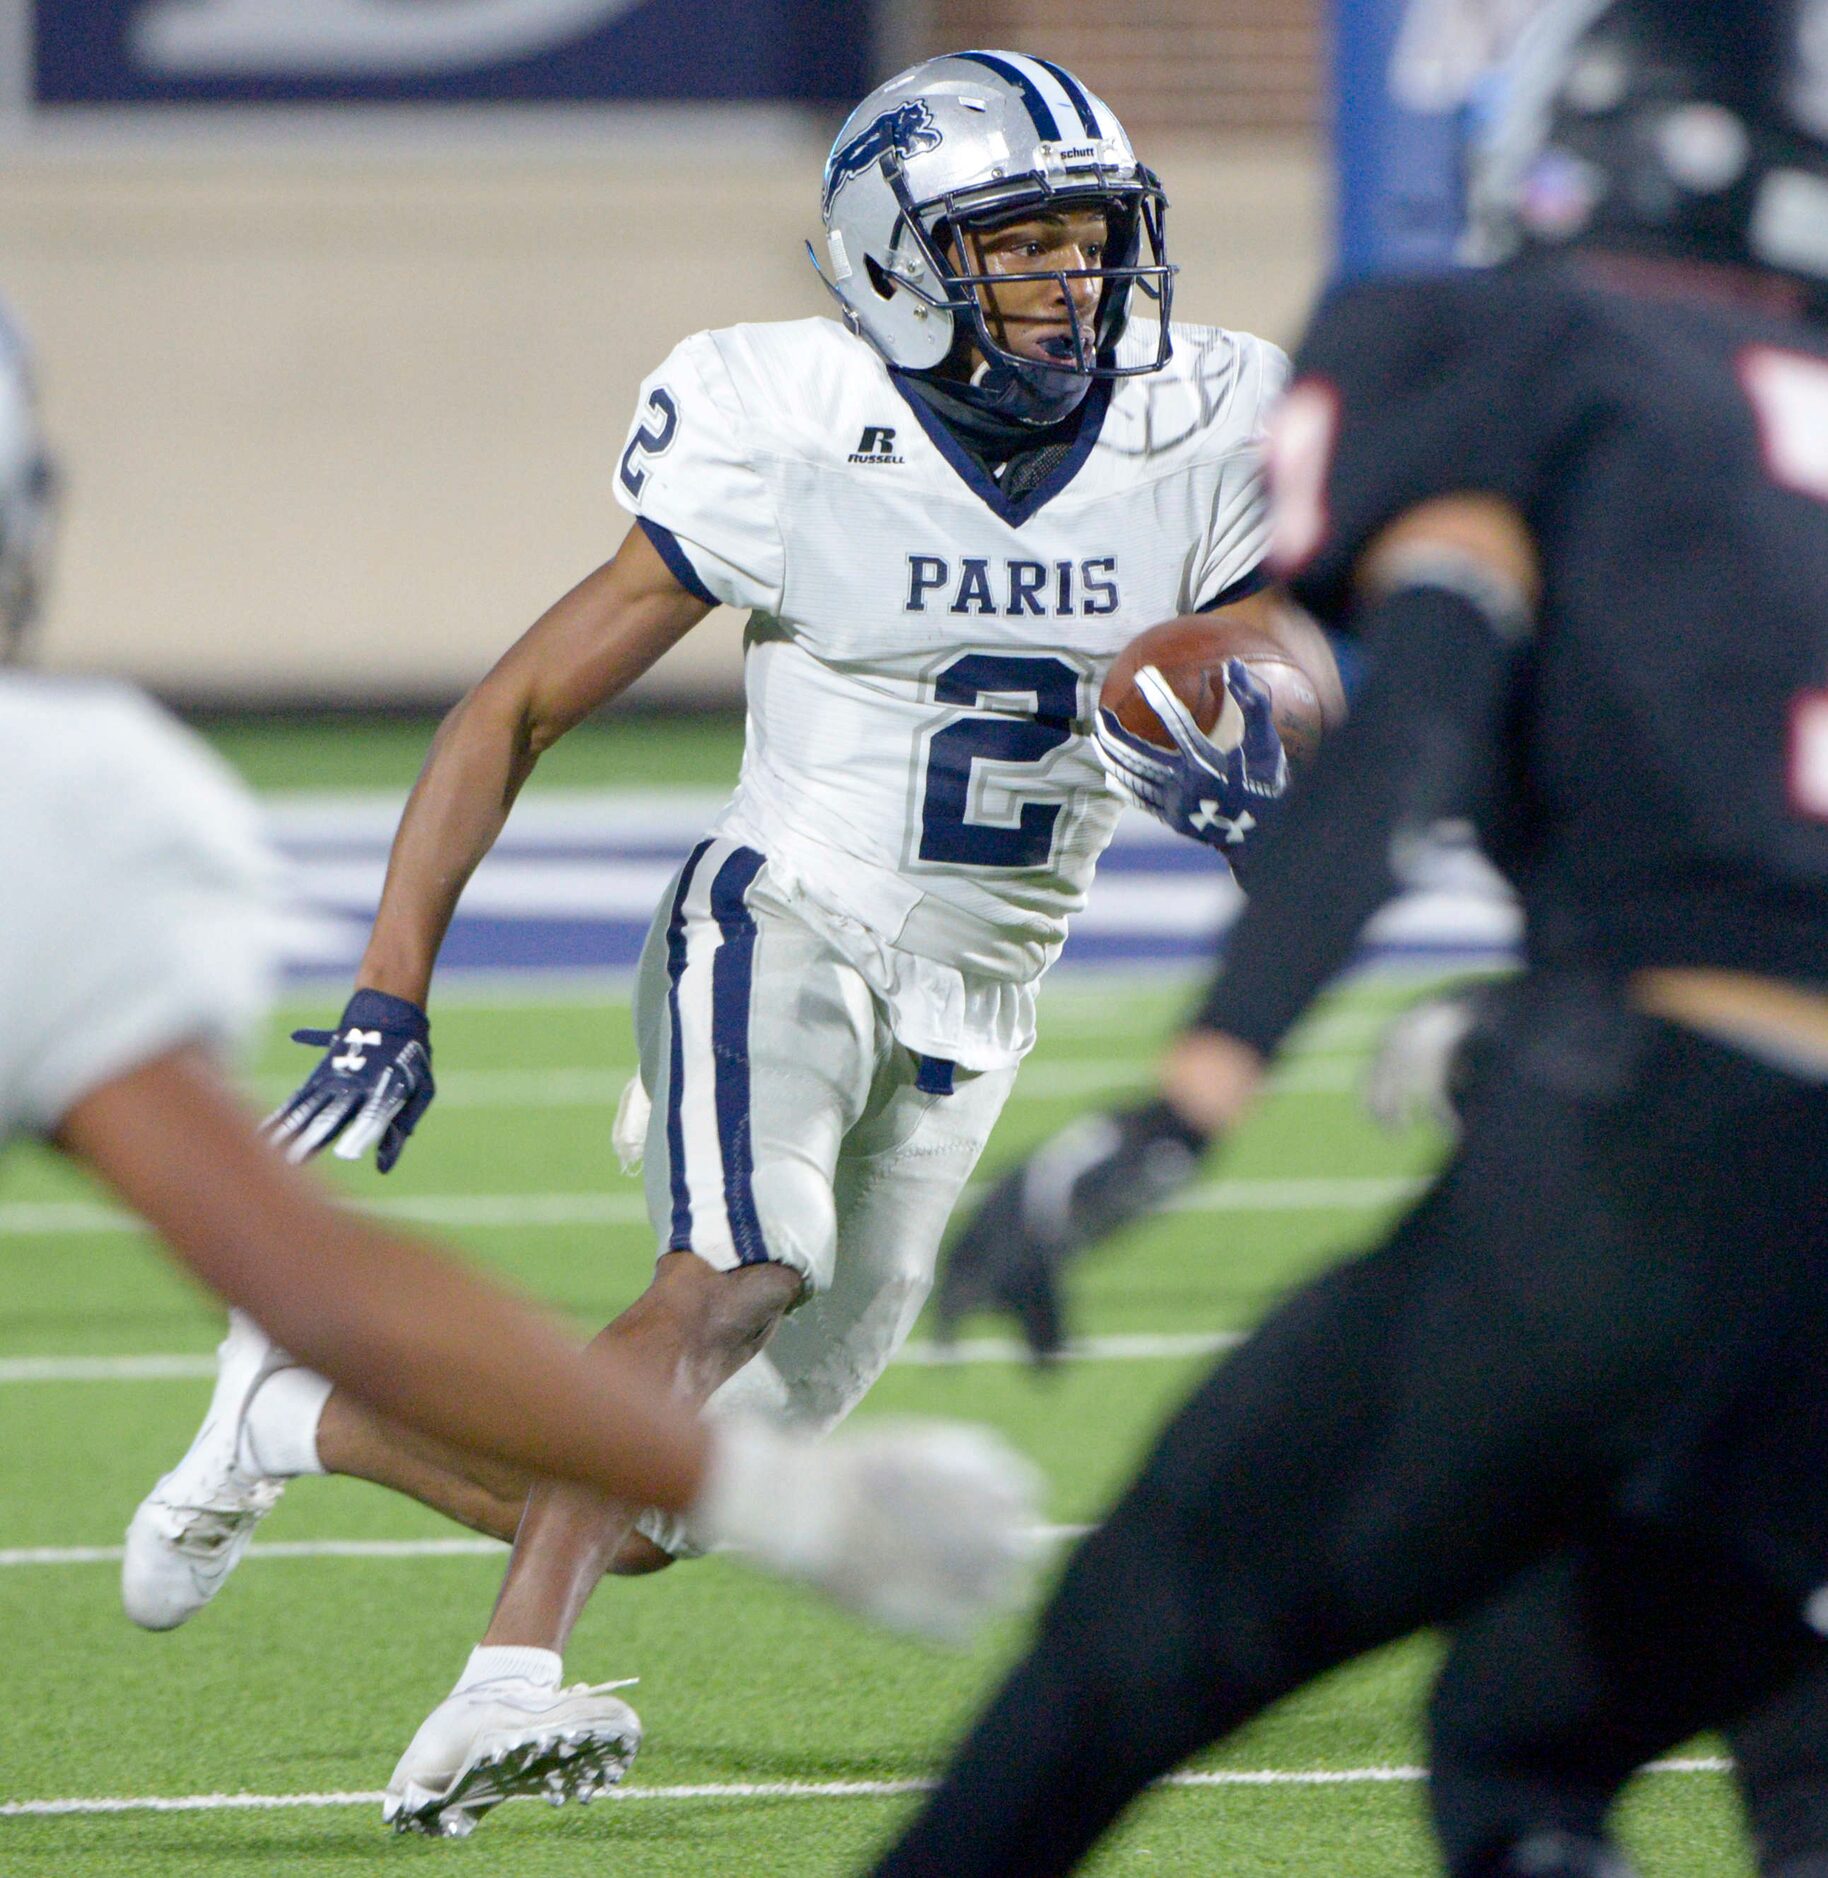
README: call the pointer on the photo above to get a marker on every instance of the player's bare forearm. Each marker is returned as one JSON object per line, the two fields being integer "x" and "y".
{"x": 579, "y": 654}
{"x": 1210, "y": 1080}
{"x": 405, "y": 1330}
{"x": 1482, "y": 528}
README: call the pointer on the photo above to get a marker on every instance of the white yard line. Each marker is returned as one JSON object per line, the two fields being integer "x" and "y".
{"x": 602, "y": 1087}
{"x": 187, "y": 1368}
{"x": 1345, "y": 1194}
{"x": 390, "y": 1550}
{"x": 769, "y": 1790}
{"x": 1131, "y": 1347}
{"x": 47, "y": 1555}
{"x": 530, "y": 1211}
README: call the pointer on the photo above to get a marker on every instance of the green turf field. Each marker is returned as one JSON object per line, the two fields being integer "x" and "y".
{"x": 305, "y": 1680}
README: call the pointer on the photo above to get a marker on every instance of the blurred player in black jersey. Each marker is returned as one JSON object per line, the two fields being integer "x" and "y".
{"x": 1576, "y": 1406}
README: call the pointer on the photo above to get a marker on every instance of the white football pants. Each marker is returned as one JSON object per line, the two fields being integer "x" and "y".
{"x": 789, "y": 1125}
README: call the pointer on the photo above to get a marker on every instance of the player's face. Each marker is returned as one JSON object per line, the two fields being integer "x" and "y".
{"x": 1033, "y": 318}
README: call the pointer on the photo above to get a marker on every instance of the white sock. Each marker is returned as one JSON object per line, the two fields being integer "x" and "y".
{"x": 280, "y": 1432}
{"x": 491, "y": 1662}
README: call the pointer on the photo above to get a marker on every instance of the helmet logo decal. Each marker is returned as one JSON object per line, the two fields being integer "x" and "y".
{"x": 906, "y": 131}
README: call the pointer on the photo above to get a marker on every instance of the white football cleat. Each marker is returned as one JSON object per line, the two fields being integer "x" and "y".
{"x": 510, "y": 1739}
{"x": 192, "y": 1528}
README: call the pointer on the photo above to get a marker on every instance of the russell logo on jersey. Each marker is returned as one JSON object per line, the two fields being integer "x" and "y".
{"x": 876, "y": 445}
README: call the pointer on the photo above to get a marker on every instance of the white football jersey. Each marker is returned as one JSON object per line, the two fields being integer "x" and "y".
{"x": 140, "y": 896}
{"x": 924, "y": 654}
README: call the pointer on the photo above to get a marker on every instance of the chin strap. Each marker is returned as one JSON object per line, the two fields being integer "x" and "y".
{"x": 976, "y": 414}
{"x": 1033, "y": 395}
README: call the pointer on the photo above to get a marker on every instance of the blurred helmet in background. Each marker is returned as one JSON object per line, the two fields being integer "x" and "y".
{"x": 971, "y": 140}
{"x": 26, "y": 497}
{"x": 1696, "y": 128}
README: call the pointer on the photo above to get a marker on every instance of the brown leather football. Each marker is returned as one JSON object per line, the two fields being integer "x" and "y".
{"x": 1190, "y": 653}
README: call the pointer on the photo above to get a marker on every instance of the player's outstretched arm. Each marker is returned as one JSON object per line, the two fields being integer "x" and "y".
{"x": 581, "y": 653}
{"x": 406, "y": 1330}
{"x": 1453, "y": 582}
{"x": 374, "y": 1080}
{"x": 925, "y": 1527}
{"x": 1447, "y": 599}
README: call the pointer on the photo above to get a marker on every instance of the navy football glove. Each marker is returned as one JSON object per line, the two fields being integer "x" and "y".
{"x": 1093, "y": 1177}
{"x": 373, "y": 1085}
{"x": 1213, "y": 795}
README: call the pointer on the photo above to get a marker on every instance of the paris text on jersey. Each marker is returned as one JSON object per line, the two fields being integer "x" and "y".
{"x": 975, "y": 584}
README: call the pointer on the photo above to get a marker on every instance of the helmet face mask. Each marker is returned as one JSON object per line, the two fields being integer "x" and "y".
{"x": 1130, "y": 209}
{"x": 955, "y": 149}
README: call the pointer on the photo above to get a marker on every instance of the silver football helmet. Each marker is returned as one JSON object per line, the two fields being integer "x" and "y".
{"x": 26, "y": 497}
{"x": 972, "y": 139}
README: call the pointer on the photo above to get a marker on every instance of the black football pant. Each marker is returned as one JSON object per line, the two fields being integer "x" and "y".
{"x": 1600, "y": 1658}
{"x": 1555, "y": 1691}
{"x": 1489, "y": 1394}
{"x": 1781, "y": 1748}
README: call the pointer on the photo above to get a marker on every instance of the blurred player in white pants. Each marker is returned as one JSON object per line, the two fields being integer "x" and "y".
{"x": 945, "y": 515}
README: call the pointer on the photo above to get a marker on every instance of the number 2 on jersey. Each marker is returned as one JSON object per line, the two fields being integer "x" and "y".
{"x": 949, "y": 831}
{"x": 650, "y": 440}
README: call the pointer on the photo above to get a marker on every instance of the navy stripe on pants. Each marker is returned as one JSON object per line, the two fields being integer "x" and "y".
{"x": 681, "y": 1237}
{"x": 732, "y": 975}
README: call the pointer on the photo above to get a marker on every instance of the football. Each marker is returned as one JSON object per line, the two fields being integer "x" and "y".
{"x": 1190, "y": 653}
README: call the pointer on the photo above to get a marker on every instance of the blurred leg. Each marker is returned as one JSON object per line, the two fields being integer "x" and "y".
{"x": 1320, "y": 1495}
{"x": 1781, "y": 1749}
{"x": 1591, "y": 1663}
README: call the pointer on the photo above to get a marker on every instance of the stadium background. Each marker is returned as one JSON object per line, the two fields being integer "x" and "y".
{"x": 339, "y": 382}
{"x": 340, "y": 306}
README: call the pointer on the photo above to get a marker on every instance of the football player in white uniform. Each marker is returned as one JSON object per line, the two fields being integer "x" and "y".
{"x": 945, "y": 513}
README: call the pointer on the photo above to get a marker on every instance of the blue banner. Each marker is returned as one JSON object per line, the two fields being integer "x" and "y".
{"x": 1400, "y": 196}
{"x": 190, "y": 52}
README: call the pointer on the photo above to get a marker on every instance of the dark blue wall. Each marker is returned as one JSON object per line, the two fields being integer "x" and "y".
{"x": 807, "y": 50}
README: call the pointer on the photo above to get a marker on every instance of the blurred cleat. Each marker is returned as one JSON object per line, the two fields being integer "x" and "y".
{"x": 190, "y": 1531}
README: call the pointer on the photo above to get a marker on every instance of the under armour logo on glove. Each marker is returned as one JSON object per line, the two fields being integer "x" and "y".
{"x": 1196, "y": 788}
{"x": 1233, "y": 828}
{"x": 354, "y": 1042}
{"x": 373, "y": 1084}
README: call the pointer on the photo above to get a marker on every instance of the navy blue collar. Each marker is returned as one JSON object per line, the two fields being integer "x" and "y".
{"x": 971, "y": 472}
